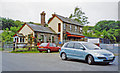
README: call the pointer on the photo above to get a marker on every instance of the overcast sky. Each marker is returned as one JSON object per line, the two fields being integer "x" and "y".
{"x": 30, "y": 10}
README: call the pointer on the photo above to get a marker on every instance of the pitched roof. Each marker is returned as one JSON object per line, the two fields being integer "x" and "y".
{"x": 40, "y": 28}
{"x": 68, "y": 20}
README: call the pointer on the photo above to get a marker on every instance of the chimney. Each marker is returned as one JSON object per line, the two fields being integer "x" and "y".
{"x": 43, "y": 18}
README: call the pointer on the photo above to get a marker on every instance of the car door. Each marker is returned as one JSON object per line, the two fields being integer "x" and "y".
{"x": 69, "y": 50}
{"x": 51, "y": 47}
{"x": 79, "y": 51}
{"x": 55, "y": 47}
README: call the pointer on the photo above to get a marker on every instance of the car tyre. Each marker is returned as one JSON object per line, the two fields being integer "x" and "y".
{"x": 48, "y": 51}
{"x": 90, "y": 60}
{"x": 63, "y": 56}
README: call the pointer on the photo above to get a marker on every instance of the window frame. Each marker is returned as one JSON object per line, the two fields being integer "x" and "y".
{"x": 75, "y": 28}
{"x": 70, "y": 27}
{"x": 70, "y": 47}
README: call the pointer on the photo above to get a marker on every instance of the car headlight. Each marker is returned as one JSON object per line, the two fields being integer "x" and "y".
{"x": 97, "y": 54}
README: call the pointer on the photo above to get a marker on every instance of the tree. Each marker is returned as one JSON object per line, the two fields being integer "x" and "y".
{"x": 79, "y": 16}
{"x": 109, "y": 29}
{"x": 87, "y": 32}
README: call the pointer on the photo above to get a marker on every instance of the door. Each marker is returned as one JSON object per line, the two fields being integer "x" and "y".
{"x": 79, "y": 51}
{"x": 55, "y": 47}
{"x": 51, "y": 47}
{"x": 70, "y": 50}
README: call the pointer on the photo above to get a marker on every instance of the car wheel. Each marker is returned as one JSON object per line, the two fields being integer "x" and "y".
{"x": 48, "y": 51}
{"x": 90, "y": 60}
{"x": 63, "y": 56}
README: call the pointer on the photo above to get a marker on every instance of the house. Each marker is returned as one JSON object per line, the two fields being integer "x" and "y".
{"x": 31, "y": 33}
{"x": 36, "y": 32}
{"x": 66, "y": 28}
{"x": 60, "y": 30}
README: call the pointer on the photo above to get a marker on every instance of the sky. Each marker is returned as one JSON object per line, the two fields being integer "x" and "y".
{"x": 29, "y": 10}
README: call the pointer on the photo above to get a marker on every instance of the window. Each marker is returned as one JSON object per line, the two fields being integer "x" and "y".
{"x": 64, "y": 26}
{"x": 80, "y": 29}
{"x": 44, "y": 44}
{"x": 23, "y": 40}
{"x": 50, "y": 44}
{"x": 42, "y": 37}
{"x": 75, "y": 28}
{"x": 20, "y": 39}
{"x": 52, "y": 39}
{"x": 54, "y": 45}
{"x": 70, "y": 45}
{"x": 70, "y": 27}
{"x": 78, "y": 46}
{"x": 15, "y": 39}
{"x": 59, "y": 27}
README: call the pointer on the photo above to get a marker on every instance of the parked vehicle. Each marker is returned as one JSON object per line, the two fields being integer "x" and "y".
{"x": 48, "y": 47}
{"x": 86, "y": 51}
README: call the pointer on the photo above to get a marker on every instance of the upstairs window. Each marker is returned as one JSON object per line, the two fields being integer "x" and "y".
{"x": 75, "y": 28}
{"x": 64, "y": 26}
{"x": 70, "y": 27}
{"x": 80, "y": 29}
{"x": 59, "y": 27}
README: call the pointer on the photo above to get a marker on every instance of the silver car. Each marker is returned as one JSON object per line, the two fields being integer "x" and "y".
{"x": 88, "y": 52}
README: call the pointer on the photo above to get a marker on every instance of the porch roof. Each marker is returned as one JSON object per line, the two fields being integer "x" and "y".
{"x": 71, "y": 34}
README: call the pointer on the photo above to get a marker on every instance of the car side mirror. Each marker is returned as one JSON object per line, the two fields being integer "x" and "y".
{"x": 82, "y": 48}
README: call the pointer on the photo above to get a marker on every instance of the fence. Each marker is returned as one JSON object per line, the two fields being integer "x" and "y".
{"x": 111, "y": 47}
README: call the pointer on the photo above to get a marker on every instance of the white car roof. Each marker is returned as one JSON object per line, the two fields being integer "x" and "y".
{"x": 77, "y": 42}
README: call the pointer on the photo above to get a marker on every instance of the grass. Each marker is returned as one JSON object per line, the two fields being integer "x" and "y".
{"x": 30, "y": 52}
{"x": 24, "y": 52}
{"x": 1, "y": 49}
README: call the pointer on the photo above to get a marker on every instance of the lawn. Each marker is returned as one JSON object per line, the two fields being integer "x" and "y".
{"x": 1, "y": 49}
{"x": 30, "y": 52}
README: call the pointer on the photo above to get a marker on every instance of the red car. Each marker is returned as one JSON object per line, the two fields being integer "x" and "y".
{"x": 48, "y": 47}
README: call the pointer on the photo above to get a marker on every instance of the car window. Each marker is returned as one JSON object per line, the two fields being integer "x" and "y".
{"x": 78, "y": 46}
{"x": 66, "y": 45}
{"x": 70, "y": 45}
{"x": 51, "y": 45}
{"x": 91, "y": 46}
{"x": 54, "y": 45}
{"x": 43, "y": 44}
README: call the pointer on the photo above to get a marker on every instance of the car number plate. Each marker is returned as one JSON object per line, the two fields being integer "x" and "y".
{"x": 41, "y": 47}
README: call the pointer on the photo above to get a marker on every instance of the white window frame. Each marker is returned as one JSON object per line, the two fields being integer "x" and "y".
{"x": 75, "y": 28}
{"x": 70, "y": 27}
{"x": 64, "y": 26}
{"x": 80, "y": 29}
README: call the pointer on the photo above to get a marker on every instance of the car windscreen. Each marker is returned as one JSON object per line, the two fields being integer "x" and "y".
{"x": 44, "y": 44}
{"x": 91, "y": 46}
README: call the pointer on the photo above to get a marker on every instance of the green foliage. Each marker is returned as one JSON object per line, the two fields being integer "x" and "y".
{"x": 79, "y": 16}
{"x": 108, "y": 30}
{"x": 104, "y": 29}
{"x": 10, "y": 27}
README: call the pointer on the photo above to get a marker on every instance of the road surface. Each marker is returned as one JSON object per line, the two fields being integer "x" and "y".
{"x": 49, "y": 62}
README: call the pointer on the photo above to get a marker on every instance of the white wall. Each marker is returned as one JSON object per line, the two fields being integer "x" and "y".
{"x": 54, "y": 24}
{"x": 25, "y": 31}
